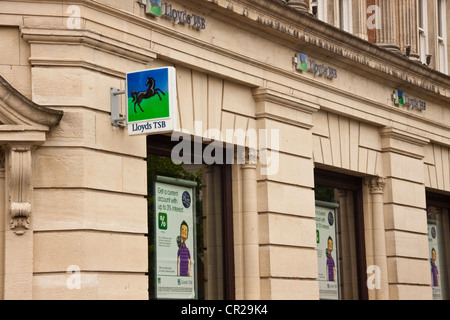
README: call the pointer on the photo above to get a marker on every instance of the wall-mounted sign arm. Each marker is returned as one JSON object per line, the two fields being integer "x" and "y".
{"x": 116, "y": 119}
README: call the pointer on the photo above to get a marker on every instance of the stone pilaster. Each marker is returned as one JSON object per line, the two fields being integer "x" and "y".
{"x": 18, "y": 236}
{"x": 407, "y": 26}
{"x": 376, "y": 186}
{"x": 386, "y": 36}
{"x": 252, "y": 286}
{"x": 404, "y": 213}
{"x": 286, "y": 203}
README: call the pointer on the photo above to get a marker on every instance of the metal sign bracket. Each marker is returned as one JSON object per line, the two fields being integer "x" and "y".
{"x": 116, "y": 119}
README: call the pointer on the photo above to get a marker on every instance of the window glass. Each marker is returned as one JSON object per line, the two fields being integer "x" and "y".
{"x": 438, "y": 243}
{"x": 214, "y": 266}
{"x": 339, "y": 245}
{"x": 421, "y": 20}
{"x": 440, "y": 18}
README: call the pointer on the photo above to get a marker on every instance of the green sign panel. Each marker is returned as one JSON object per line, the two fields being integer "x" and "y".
{"x": 151, "y": 101}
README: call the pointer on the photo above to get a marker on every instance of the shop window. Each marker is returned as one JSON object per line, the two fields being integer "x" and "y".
{"x": 208, "y": 270}
{"x": 340, "y": 237}
{"x": 438, "y": 210}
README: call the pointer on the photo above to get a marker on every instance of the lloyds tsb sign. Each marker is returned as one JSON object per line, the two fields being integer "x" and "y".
{"x": 303, "y": 63}
{"x": 157, "y": 8}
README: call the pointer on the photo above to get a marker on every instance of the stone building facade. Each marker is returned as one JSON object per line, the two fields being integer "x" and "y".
{"x": 365, "y": 120}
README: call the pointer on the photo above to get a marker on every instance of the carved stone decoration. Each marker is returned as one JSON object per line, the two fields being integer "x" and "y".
{"x": 20, "y": 214}
{"x": 19, "y": 164}
{"x": 247, "y": 156}
{"x": 387, "y": 34}
{"x": 377, "y": 184}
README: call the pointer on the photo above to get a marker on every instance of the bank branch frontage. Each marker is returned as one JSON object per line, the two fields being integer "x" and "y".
{"x": 221, "y": 150}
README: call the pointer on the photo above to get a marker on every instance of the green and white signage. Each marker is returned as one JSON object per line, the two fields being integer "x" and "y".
{"x": 176, "y": 276}
{"x": 152, "y": 101}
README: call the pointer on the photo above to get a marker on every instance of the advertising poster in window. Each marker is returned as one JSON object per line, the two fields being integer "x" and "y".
{"x": 175, "y": 239}
{"x": 327, "y": 253}
{"x": 435, "y": 265}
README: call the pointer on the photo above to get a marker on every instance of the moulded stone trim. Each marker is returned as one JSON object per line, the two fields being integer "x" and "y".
{"x": 88, "y": 38}
{"x": 16, "y": 109}
{"x": 320, "y": 34}
{"x": 398, "y": 141}
{"x": 24, "y": 124}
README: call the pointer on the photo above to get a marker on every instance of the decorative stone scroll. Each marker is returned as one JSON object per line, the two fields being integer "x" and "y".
{"x": 19, "y": 164}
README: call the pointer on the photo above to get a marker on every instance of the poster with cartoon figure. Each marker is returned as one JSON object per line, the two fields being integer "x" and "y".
{"x": 326, "y": 253}
{"x": 433, "y": 245}
{"x": 175, "y": 239}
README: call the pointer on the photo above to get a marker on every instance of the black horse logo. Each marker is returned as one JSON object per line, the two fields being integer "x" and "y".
{"x": 150, "y": 92}
{"x": 155, "y": 3}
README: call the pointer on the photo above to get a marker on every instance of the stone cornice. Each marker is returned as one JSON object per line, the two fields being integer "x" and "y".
{"x": 404, "y": 136}
{"x": 281, "y": 20}
{"x": 272, "y": 97}
{"x": 87, "y": 38}
{"x": 401, "y": 142}
{"x": 17, "y": 110}
{"x": 266, "y": 94}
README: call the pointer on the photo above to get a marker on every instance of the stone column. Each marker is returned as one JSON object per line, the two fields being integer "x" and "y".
{"x": 252, "y": 286}
{"x": 407, "y": 27}
{"x": 386, "y": 36}
{"x": 18, "y": 251}
{"x": 360, "y": 19}
{"x": 376, "y": 186}
{"x": 300, "y": 5}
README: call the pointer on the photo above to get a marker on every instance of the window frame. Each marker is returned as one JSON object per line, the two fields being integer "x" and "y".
{"x": 439, "y": 201}
{"x": 422, "y": 18}
{"x": 341, "y": 181}
{"x": 321, "y": 9}
{"x": 162, "y": 145}
{"x": 442, "y": 51}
